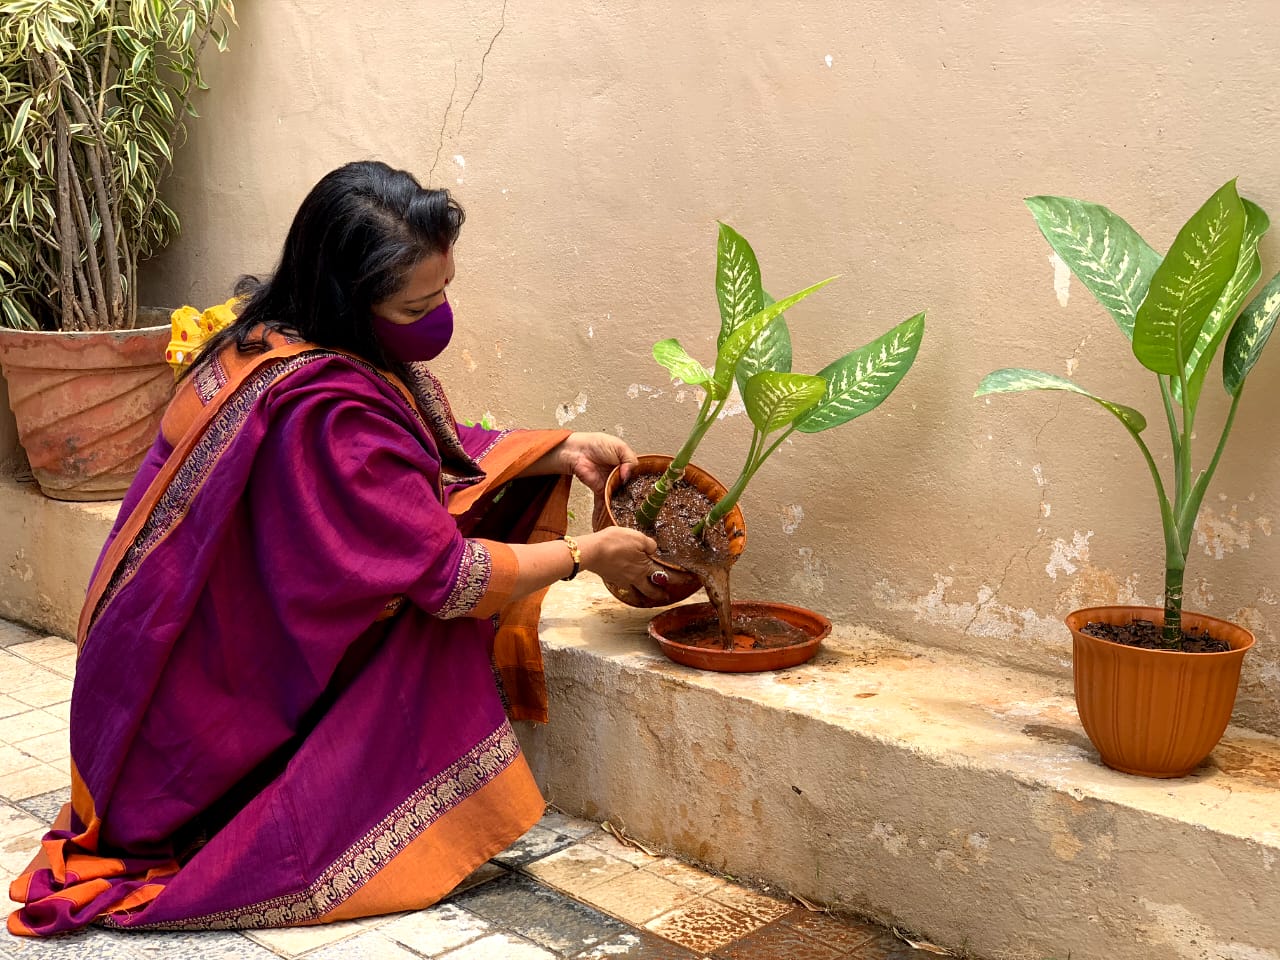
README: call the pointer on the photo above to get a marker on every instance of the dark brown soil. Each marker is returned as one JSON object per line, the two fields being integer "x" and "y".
{"x": 1145, "y": 634}
{"x": 673, "y": 531}
{"x": 749, "y": 633}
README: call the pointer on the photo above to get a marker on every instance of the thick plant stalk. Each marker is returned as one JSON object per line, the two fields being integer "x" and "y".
{"x": 647, "y": 515}
{"x": 1171, "y": 635}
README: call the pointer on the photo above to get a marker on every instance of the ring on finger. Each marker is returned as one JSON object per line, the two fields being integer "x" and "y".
{"x": 659, "y": 578}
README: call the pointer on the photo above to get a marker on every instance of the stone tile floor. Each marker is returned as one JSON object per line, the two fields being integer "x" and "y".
{"x": 566, "y": 891}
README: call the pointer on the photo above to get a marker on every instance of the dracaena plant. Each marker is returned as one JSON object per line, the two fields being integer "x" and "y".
{"x": 1176, "y": 312}
{"x": 94, "y": 98}
{"x": 754, "y": 351}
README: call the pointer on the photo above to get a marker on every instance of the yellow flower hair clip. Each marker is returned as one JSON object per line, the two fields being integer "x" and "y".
{"x": 191, "y": 328}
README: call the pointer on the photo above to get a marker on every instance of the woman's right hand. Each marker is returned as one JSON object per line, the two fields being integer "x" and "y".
{"x": 622, "y": 556}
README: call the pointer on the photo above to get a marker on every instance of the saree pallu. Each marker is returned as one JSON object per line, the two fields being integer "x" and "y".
{"x": 285, "y": 708}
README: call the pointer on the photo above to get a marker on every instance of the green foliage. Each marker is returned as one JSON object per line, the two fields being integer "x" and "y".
{"x": 1176, "y": 312}
{"x": 94, "y": 98}
{"x": 753, "y": 349}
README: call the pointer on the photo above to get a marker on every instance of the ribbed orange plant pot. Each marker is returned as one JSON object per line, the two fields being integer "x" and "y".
{"x": 681, "y": 583}
{"x": 87, "y": 405}
{"x": 1154, "y": 713}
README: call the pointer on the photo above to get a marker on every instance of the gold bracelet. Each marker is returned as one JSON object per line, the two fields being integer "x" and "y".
{"x": 574, "y": 552}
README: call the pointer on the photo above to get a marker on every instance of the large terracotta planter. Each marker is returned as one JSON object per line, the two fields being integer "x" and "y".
{"x": 1155, "y": 713}
{"x": 87, "y": 405}
{"x": 681, "y": 583}
{"x": 813, "y": 624}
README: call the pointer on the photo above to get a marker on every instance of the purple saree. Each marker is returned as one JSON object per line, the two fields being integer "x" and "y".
{"x": 285, "y": 709}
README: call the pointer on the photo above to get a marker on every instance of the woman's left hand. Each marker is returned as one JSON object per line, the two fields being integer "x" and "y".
{"x": 591, "y": 457}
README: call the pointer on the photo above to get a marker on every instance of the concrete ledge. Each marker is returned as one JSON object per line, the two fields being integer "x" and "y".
{"x": 47, "y": 552}
{"x": 955, "y": 798}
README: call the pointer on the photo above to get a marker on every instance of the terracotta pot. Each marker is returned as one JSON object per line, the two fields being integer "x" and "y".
{"x": 681, "y": 583}
{"x": 1155, "y": 713}
{"x": 88, "y": 405}
{"x": 740, "y": 661}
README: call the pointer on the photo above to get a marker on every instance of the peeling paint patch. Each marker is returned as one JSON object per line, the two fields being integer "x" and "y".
{"x": 888, "y": 837}
{"x": 637, "y": 390}
{"x": 1072, "y": 364}
{"x": 828, "y": 59}
{"x": 811, "y": 578}
{"x": 983, "y": 617}
{"x": 1219, "y": 534}
{"x": 567, "y": 411}
{"x": 1061, "y": 279}
{"x": 470, "y": 361}
{"x": 792, "y": 514}
{"x": 1063, "y": 556}
{"x": 734, "y": 405}
{"x": 1190, "y": 938}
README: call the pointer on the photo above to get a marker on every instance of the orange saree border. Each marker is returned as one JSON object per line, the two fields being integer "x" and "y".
{"x": 517, "y": 650}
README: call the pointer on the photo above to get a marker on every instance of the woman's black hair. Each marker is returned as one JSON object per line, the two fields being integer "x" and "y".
{"x": 353, "y": 242}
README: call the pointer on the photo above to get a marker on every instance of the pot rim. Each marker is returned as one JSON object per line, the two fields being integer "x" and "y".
{"x": 1157, "y": 616}
{"x": 611, "y": 484}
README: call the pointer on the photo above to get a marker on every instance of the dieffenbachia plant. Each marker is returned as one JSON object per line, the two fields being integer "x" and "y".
{"x": 1175, "y": 312}
{"x": 754, "y": 350}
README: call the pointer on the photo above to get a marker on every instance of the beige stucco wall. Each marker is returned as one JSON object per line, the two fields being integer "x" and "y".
{"x": 595, "y": 146}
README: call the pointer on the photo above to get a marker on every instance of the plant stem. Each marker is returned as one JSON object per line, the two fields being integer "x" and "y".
{"x": 647, "y": 515}
{"x": 755, "y": 460}
{"x": 1171, "y": 635}
{"x": 1175, "y": 437}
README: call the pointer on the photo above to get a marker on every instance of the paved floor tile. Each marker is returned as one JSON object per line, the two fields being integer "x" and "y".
{"x": 60, "y": 711}
{"x": 578, "y": 868}
{"x": 63, "y": 666}
{"x": 777, "y": 941}
{"x": 52, "y": 748}
{"x": 481, "y": 874}
{"x": 704, "y": 925}
{"x": 547, "y": 917}
{"x": 844, "y": 935}
{"x": 15, "y": 822}
{"x": 34, "y": 781}
{"x": 437, "y": 929}
{"x": 16, "y": 853}
{"x": 45, "y": 692}
{"x": 205, "y": 945}
{"x": 16, "y": 673}
{"x": 12, "y": 633}
{"x": 885, "y": 946}
{"x": 606, "y": 843}
{"x": 83, "y": 945}
{"x": 499, "y": 946}
{"x": 534, "y": 845}
{"x": 295, "y": 941}
{"x": 638, "y": 897}
{"x": 638, "y": 945}
{"x": 46, "y": 806}
{"x": 751, "y": 902}
{"x": 9, "y": 706}
{"x": 12, "y": 760}
{"x": 683, "y": 875}
{"x": 370, "y": 945}
{"x": 28, "y": 724}
{"x": 45, "y": 648}
{"x": 558, "y": 822}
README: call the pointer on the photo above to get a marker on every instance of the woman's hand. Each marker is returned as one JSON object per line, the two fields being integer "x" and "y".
{"x": 622, "y": 556}
{"x": 591, "y": 457}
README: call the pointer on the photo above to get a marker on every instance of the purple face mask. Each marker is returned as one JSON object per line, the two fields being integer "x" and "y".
{"x": 423, "y": 339}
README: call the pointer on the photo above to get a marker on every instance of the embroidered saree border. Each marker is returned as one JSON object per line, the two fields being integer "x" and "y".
{"x": 368, "y": 855}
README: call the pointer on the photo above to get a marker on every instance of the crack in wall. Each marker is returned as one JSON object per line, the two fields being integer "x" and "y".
{"x": 443, "y": 123}
{"x": 480, "y": 76}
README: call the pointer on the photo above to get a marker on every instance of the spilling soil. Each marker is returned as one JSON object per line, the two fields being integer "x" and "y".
{"x": 1146, "y": 634}
{"x": 708, "y": 558}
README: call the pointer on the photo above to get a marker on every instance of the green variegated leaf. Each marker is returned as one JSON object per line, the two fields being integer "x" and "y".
{"x": 737, "y": 282}
{"x": 1248, "y": 270}
{"x": 862, "y": 379}
{"x": 1188, "y": 283}
{"x": 774, "y": 400}
{"x": 671, "y": 355}
{"x": 732, "y": 350}
{"x": 769, "y": 351}
{"x": 1249, "y": 335}
{"x": 1104, "y": 252}
{"x": 1014, "y": 380}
